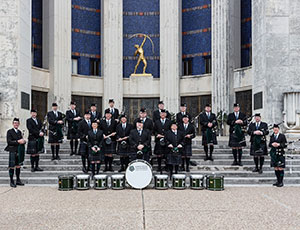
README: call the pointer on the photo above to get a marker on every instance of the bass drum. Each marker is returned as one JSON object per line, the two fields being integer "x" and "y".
{"x": 139, "y": 174}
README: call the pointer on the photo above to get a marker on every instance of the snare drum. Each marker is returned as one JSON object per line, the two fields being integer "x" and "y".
{"x": 196, "y": 181}
{"x": 161, "y": 182}
{"x": 139, "y": 174}
{"x": 118, "y": 181}
{"x": 82, "y": 182}
{"x": 215, "y": 183}
{"x": 100, "y": 181}
{"x": 65, "y": 183}
{"x": 178, "y": 181}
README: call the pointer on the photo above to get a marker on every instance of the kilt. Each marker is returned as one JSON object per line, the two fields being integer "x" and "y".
{"x": 160, "y": 150}
{"x": 124, "y": 151}
{"x": 72, "y": 133}
{"x": 263, "y": 151}
{"x": 145, "y": 156}
{"x": 83, "y": 149}
{"x": 109, "y": 149}
{"x": 174, "y": 159}
{"x": 212, "y": 141}
{"x": 187, "y": 150}
{"x": 234, "y": 141}
{"x": 99, "y": 156}
{"x": 54, "y": 139}
{"x": 32, "y": 147}
{"x": 13, "y": 160}
{"x": 277, "y": 160}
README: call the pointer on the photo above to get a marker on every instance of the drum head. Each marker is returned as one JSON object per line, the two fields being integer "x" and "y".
{"x": 82, "y": 177}
{"x": 179, "y": 176}
{"x": 100, "y": 177}
{"x": 138, "y": 174}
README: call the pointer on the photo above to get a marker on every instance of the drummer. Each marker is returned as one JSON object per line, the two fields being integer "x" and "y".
{"x": 175, "y": 143}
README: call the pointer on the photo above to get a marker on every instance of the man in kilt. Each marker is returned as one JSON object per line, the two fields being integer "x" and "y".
{"x": 56, "y": 123}
{"x": 95, "y": 143}
{"x": 181, "y": 113}
{"x": 123, "y": 131}
{"x": 73, "y": 117}
{"x": 237, "y": 121}
{"x": 147, "y": 122}
{"x": 161, "y": 126}
{"x": 35, "y": 144}
{"x": 189, "y": 132}
{"x": 258, "y": 131}
{"x": 108, "y": 126}
{"x": 95, "y": 115}
{"x": 277, "y": 144}
{"x": 208, "y": 121}
{"x": 84, "y": 127}
{"x": 175, "y": 143}
{"x": 16, "y": 148}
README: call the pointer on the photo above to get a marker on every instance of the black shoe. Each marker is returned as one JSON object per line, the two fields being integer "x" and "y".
{"x": 255, "y": 170}
{"x": 182, "y": 169}
{"x": 38, "y": 169}
{"x": 32, "y": 169}
{"x": 280, "y": 185}
{"x": 234, "y": 163}
{"x": 275, "y": 184}
{"x": 84, "y": 170}
{"x": 19, "y": 182}
{"x": 211, "y": 159}
{"x": 57, "y": 157}
{"x": 260, "y": 171}
{"x": 72, "y": 153}
{"x": 187, "y": 169}
{"x": 12, "y": 184}
{"x": 53, "y": 158}
{"x": 159, "y": 169}
{"x": 110, "y": 169}
{"x": 206, "y": 158}
{"x": 240, "y": 163}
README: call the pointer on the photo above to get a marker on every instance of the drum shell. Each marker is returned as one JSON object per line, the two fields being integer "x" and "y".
{"x": 103, "y": 181}
{"x": 82, "y": 183}
{"x": 215, "y": 183}
{"x": 178, "y": 182}
{"x": 161, "y": 183}
{"x": 65, "y": 183}
{"x": 197, "y": 183}
{"x": 117, "y": 183}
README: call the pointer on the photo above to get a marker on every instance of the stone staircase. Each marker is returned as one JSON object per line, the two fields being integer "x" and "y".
{"x": 234, "y": 175}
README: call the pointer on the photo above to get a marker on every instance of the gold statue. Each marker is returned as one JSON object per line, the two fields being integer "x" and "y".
{"x": 140, "y": 52}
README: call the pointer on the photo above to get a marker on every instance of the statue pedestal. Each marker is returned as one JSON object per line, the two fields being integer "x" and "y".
{"x": 141, "y": 75}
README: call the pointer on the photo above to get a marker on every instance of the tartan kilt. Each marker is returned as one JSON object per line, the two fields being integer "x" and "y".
{"x": 99, "y": 156}
{"x": 160, "y": 150}
{"x": 83, "y": 149}
{"x": 32, "y": 147}
{"x": 174, "y": 159}
{"x": 187, "y": 150}
{"x": 234, "y": 141}
{"x": 13, "y": 159}
{"x": 263, "y": 148}
{"x": 72, "y": 134}
{"x": 110, "y": 149}
{"x": 204, "y": 139}
{"x": 53, "y": 139}
{"x": 278, "y": 161}
{"x": 123, "y": 152}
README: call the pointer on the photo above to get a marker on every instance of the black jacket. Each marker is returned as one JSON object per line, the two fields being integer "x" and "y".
{"x": 156, "y": 115}
{"x": 179, "y": 117}
{"x": 161, "y": 129}
{"x": 148, "y": 124}
{"x": 52, "y": 119}
{"x": 95, "y": 139}
{"x": 173, "y": 139}
{"x": 190, "y": 130}
{"x": 231, "y": 120}
{"x": 262, "y": 127}
{"x": 70, "y": 117}
{"x": 97, "y": 116}
{"x": 123, "y": 133}
{"x": 33, "y": 129}
{"x": 204, "y": 120}
{"x": 280, "y": 140}
{"x": 12, "y": 138}
{"x": 135, "y": 139}
{"x": 83, "y": 129}
{"x": 108, "y": 129}
{"x": 116, "y": 113}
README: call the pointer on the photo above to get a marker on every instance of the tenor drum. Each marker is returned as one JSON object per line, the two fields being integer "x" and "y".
{"x": 65, "y": 183}
{"x": 178, "y": 181}
{"x": 117, "y": 181}
{"x": 100, "y": 181}
{"x": 196, "y": 181}
{"x": 215, "y": 183}
{"x": 82, "y": 182}
{"x": 161, "y": 181}
{"x": 139, "y": 174}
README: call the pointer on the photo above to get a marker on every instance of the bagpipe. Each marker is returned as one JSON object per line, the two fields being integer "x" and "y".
{"x": 21, "y": 151}
{"x": 241, "y": 129}
{"x": 59, "y": 129}
{"x": 41, "y": 139}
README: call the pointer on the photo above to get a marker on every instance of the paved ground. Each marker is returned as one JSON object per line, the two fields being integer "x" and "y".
{"x": 235, "y": 208}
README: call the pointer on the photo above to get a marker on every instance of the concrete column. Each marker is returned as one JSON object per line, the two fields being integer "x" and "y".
{"x": 276, "y": 54}
{"x": 15, "y": 61}
{"x": 226, "y": 51}
{"x": 170, "y": 53}
{"x": 57, "y": 50}
{"x": 112, "y": 51}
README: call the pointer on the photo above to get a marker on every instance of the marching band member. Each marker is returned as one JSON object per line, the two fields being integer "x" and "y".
{"x": 140, "y": 141}
{"x": 277, "y": 144}
{"x": 35, "y": 140}
{"x": 148, "y": 123}
{"x": 73, "y": 118}
{"x": 95, "y": 140}
{"x": 16, "y": 149}
{"x": 95, "y": 115}
{"x": 237, "y": 120}
{"x": 175, "y": 143}
{"x": 114, "y": 111}
{"x": 208, "y": 121}
{"x": 161, "y": 126}
{"x": 55, "y": 120}
{"x": 182, "y": 113}
{"x": 258, "y": 131}
{"x": 108, "y": 126}
{"x": 156, "y": 113}
{"x": 189, "y": 132}
{"x": 84, "y": 127}
{"x": 123, "y": 131}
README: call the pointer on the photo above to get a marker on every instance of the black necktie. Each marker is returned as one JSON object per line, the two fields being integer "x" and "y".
{"x": 89, "y": 123}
